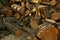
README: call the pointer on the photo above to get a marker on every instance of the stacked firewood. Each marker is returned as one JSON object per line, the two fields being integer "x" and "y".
{"x": 39, "y": 19}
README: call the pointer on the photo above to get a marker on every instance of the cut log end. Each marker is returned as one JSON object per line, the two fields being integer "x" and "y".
{"x": 17, "y": 15}
{"x": 18, "y": 33}
{"x": 55, "y": 16}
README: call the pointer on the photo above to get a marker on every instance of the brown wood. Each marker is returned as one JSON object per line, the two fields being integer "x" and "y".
{"x": 49, "y": 2}
{"x": 53, "y": 2}
{"x": 38, "y": 15}
{"x": 18, "y": 8}
{"x": 48, "y": 34}
{"x": 17, "y": 15}
{"x": 33, "y": 23}
{"x": 9, "y": 13}
{"x": 58, "y": 6}
{"x": 44, "y": 12}
{"x": 14, "y": 29}
{"x": 21, "y": 11}
{"x": 18, "y": 32}
{"x": 55, "y": 16}
{"x": 35, "y": 1}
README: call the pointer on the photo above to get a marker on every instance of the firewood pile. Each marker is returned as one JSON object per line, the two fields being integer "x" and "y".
{"x": 30, "y": 20}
